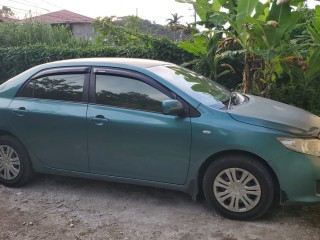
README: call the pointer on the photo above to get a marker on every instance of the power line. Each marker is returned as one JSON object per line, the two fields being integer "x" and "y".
{"x": 22, "y": 4}
{"x": 52, "y": 4}
{"x": 53, "y": 14}
{"x": 21, "y": 10}
{"x": 34, "y": 5}
{"x": 61, "y": 17}
{"x": 28, "y": 5}
{"x": 15, "y": 8}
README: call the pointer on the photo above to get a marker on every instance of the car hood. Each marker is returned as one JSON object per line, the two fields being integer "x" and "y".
{"x": 275, "y": 115}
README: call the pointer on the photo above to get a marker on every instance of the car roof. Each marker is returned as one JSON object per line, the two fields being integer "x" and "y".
{"x": 125, "y": 62}
{"x": 134, "y": 64}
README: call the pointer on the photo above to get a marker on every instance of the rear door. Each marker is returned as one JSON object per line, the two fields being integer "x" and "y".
{"x": 49, "y": 116}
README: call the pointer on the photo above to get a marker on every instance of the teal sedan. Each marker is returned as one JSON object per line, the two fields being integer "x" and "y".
{"x": 157, "y": 124}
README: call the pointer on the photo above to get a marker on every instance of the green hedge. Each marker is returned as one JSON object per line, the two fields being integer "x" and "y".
{"x": 298, "y": 94}
{"x": 14, "y": 60}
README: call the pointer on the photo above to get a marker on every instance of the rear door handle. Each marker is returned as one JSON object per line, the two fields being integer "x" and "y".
{"x": 99, "y": 120}
{"x": 21, "y": 111}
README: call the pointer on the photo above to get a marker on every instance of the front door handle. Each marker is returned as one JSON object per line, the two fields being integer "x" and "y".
{"x": 99, "y": 120}
{"x": 21, "y": 111}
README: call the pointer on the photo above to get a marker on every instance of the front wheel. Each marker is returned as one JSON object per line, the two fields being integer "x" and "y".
{"x": 15, "y": 166}
{"x": 239, "y": 187}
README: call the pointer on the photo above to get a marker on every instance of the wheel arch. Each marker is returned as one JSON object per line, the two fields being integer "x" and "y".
{"x": 215, "y": 156}
{"x": 7, "y": 133}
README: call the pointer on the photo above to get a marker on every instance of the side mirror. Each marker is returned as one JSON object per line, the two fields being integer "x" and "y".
{"x": 172, "y": 107}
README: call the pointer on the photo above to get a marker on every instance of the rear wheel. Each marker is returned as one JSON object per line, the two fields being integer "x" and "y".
{"x": 239, "y": 187}
{"x": 15, "y": 166}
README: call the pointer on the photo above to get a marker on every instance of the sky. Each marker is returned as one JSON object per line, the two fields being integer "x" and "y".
{"x": 153, "y": 10}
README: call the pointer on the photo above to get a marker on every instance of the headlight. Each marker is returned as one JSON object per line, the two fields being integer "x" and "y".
{"x": 306, "y": 146}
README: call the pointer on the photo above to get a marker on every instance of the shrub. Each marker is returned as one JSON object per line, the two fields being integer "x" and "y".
{"x": 21, "y": 34}
{"x": 14, "y": 60}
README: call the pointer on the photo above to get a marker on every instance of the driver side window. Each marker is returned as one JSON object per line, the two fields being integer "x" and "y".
{"x": 128, "y": 93}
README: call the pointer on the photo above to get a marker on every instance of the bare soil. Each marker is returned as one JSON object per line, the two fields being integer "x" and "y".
{"x": 53, "y": 207}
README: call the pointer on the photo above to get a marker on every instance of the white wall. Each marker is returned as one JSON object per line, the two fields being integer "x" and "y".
{"x": 82, "y": 30}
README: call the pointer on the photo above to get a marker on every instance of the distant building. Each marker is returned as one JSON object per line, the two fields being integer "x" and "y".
{"x": 80, "y": 26}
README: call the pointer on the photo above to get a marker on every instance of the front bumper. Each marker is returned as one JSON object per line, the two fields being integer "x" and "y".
{"x": 299, "y": 177}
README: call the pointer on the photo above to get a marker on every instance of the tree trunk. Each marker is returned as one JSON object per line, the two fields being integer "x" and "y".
{"x": 246, "y": 74}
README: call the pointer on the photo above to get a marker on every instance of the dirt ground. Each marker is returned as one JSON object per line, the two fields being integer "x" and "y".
{"x": 53, "y": 207}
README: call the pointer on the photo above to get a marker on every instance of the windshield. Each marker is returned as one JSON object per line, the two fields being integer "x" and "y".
{"x": 199, "y": 87}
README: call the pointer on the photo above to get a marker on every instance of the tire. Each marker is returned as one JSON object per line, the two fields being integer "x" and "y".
{"x": 248, "y": 197}
{"x": 15, "y": 165}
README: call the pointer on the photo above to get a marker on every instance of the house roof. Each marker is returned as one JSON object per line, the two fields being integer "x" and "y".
{"x": 7, "y": 19}
{"x": 62, "y": 16}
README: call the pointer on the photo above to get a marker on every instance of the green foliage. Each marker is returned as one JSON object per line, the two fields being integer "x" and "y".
{"x": 25, "y": 45}
{"x": 205, "y": 45}
{"x": 174, "y": 20}
{"x": 133, "y": 23}
{"x": 272, "y": 49}
{"x": 17, "y": 34}
{"x": 244, "y": 10}
{"x": 6, "y": 12}
{"x": 112, "y": 34}
{"x": 314, "y": 26}
{"x": 298, "y": 93}
{"x": 263, "y": 30}
{"x": 14, "y": 60}
{"x": 286, "y": 19}
{"x": 278, "y": 47}
{"x": 134, "y": 31}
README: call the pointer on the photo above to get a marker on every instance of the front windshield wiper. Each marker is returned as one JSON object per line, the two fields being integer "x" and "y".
{"x": 235, "y": 99}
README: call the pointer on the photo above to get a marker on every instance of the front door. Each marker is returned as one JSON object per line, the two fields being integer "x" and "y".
{"x": 130, "y": 137}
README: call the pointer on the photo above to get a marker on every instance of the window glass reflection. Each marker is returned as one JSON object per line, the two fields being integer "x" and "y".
{"x": 57, "y": 87}
{"x": 128, "y": 93}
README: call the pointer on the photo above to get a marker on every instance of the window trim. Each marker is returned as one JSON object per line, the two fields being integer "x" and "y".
{"x": 126, "y": 74}
{"x": 119, "y": 72}
{"x": 85, "y": 70}
{"x": 62, "y": 71}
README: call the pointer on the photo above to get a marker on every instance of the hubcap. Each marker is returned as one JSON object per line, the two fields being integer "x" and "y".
{"x": 9, "y": 163}
{"x": 237, "y": 190}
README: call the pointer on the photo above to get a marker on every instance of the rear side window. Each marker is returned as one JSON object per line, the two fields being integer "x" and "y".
{"x": 128, "y": 93}
{"x": 66, "y": 87}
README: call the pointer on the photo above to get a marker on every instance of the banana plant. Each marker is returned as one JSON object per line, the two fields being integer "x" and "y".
{"x": 270, "y": 36}
{"x": 204, "y": 45}
{"x": 230, "y": 22}
{"x": 261, "y": 29}
{"x": 313, "y": 61}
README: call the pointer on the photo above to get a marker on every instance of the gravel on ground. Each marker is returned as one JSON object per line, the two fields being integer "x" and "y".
{"x": 54, "y": 207}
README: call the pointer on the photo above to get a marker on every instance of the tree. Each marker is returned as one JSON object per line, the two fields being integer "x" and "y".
{"x": 112, "y": 34}
{"x": 174, "y": 20}
{"x": 6, "y": 12}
